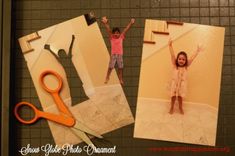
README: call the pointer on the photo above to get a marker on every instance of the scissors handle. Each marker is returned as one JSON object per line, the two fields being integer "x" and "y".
{"x": 55, "y": 92}
{"x": 44, "y": 86}
{"x": 61, "y": 119}
{"x": 36, "y": 116}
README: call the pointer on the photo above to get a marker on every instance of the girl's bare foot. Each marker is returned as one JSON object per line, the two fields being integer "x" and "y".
{"x": 181, "y": 111}
{"x": 171, "y": 111}
{"x": 106, "y": 80}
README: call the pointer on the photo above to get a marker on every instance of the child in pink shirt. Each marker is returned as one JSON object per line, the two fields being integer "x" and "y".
{"x": 116, "y": 39}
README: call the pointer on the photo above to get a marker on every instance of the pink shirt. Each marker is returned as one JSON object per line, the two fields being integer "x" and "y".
{"x": 116, "y": 44}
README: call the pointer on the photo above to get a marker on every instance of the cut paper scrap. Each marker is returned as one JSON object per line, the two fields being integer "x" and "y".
{"x": 107, "y": 108}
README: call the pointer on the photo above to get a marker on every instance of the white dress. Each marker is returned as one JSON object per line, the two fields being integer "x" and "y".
{"x": 179, "y": 82}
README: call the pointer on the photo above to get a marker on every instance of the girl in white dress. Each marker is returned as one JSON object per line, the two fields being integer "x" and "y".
{"x": 179, "y": 77}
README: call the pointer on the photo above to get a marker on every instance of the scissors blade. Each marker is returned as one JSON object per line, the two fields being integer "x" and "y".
{"x": 83, "y": 128}
{"x": 83, "y": 136}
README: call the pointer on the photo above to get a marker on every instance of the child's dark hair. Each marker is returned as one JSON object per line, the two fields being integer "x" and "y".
{"x": 116, "y": 29}
{"x": 185, "y": 55}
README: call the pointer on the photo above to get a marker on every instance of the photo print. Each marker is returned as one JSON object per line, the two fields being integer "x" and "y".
{"x": 179, "y": 87}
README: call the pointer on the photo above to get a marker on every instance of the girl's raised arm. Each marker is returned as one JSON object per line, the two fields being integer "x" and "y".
{"x": 71, "y": 47}
{"x": 172, "y": 52}
{"x": 48, "y": 47}
{"x": 107, "y": 27}
{"x": 132, "y": 21}
{"x": 199, "y": 49}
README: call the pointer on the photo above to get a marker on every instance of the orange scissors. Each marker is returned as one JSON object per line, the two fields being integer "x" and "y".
{"x": 65, "y": 117}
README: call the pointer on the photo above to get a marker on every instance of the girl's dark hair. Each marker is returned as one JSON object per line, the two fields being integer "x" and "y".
{"x": 185, "y": 55}
{"x": 116, "y": 29}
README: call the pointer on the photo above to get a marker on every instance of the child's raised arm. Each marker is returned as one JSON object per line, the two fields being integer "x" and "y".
{"x": 48, "y": 47}
{"x": 171, "y": 52}
{"x": 107, "y": 27}
{"x": 71, "y": 47}
{"x": 128, "y": 26}
{"x": 199, "y": 49}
